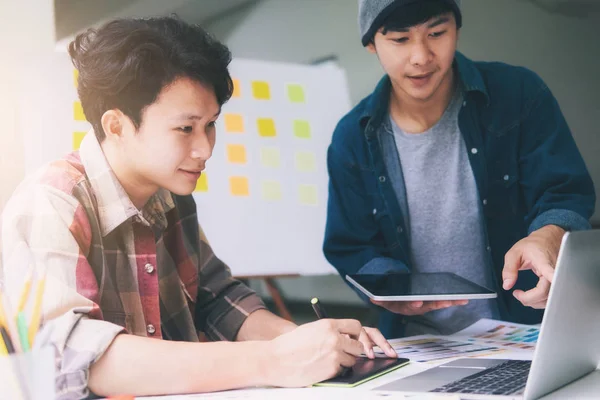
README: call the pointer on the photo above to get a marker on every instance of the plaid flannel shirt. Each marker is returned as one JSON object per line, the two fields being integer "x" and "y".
{"x": 112, "y": 268}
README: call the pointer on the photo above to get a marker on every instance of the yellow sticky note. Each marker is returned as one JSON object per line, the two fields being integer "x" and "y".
{"x": 78, "y": 114}
{"x": 306, "y": 161}
{"x": 237, "y": 90}
{"x": 295, "y": 93}
{"x": 202, "y": 184}
{"x": 271, "y": 190}
{"x": 270, "y": 157}
{"x": 301, "y": 129}
{"x": 75, "y": 77}
{"x": 239, "y": 186}
{"x": 236, "y": 153}
{"x": 266, "y": 127}
{"x": 260, "y": 90}
{"x": 234, "y": 123}
{"x": 77, "y": 138}
{"x": 307, "y": 195}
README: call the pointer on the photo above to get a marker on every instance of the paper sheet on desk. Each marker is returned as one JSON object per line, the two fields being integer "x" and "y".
{"x": 430, "y": 348}
{"x": 500, "y": 333}
{"x": 486, "y": 337}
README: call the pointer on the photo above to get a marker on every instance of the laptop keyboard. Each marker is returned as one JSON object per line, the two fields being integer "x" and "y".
{"x": 509, "y": 377}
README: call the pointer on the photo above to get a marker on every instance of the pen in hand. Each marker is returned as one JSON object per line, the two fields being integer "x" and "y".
{"x": 320, "y": 311}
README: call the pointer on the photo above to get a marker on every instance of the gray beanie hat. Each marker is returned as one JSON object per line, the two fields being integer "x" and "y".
{"x": 372, "y": 13}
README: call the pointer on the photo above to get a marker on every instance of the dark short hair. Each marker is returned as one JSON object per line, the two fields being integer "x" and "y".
{"x": 415, "y": 13}
{"x": 127, "y": 62}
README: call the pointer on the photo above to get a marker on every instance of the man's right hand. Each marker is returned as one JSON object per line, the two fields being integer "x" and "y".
{"x": 417, "y": 307}
{"x": 313, "y": 352}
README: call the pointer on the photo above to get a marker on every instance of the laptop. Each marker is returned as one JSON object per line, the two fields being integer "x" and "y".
{"x": 567, "y": 356}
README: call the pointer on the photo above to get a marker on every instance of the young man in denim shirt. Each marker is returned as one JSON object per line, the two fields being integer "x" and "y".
{"x": 451, "y": 165}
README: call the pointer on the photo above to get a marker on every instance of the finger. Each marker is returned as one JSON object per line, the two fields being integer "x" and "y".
{"x": 346, "y": 360}
{"x": 367, "y": 343}
{"x": 540, "y": 306}
{"x": 540, "y": 263}
{"x": 350, "y": 327}
{"x": 533, "y": 296}
{"x": 461, "y": 302}
{"x": 512, "y": 264}
{"x": 376, "y": 336}
{"x": 351, "y": 346}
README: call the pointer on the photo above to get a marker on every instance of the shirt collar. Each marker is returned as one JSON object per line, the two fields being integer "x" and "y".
{"x": 376, "y": 107}
{"x": 113, "y": 204}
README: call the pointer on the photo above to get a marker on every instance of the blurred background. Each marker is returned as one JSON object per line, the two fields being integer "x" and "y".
{"x": 555, "y": 38}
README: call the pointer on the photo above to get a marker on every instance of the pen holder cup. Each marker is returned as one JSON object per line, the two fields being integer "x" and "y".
{"x": 28, "y": 376}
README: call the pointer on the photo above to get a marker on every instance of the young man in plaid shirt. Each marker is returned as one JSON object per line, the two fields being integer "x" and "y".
{"x": 116, "y": 229}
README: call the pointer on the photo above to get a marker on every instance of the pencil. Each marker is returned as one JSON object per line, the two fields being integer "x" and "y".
{"x": 8, "y": 322}
{"x": 22, "y": 327}
{"x": 6, "y": 341}
{"x": 36, "y": 315}
{"x": 25, "y": 291}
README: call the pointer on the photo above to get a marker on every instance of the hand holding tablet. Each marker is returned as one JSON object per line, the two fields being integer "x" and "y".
{"x": 418, "y": 293}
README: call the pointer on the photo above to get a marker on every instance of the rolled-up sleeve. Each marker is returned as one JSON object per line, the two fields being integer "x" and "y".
{"x": 48, "y": 230}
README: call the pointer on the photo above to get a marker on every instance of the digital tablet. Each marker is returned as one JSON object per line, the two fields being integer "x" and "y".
{"x": 419, "y": 287}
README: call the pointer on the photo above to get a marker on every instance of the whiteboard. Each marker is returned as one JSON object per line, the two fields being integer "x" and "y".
{"x": 263, "y": 197}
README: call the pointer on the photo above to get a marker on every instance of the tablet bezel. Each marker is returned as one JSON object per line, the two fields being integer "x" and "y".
{"x": 430, "y": 297}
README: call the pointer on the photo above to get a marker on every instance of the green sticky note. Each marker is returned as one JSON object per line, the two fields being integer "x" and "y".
{"x": 307, "y": 195}
{"x": 271, "y": 190}
{"x": 296, "y": 93}
{"x": 301, "y": 129}
{"x": 270, "y": 157}
{"x": 306, "y": 161}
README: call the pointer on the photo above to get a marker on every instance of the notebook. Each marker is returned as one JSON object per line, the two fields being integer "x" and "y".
{"x": 364, "y": 370}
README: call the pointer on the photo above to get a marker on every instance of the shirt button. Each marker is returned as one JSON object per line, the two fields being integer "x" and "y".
{"x": 150, "y": 329}
{"x": 488, "y": 248}
{"x": 474, "y": 150}
{"x": 374, "y": 211}
{"x": 484, "y": 202}
{"x": 506, "y": 177}
{"x": 149, "y": 268}
{"x": 464, "y": 103}
{"x": 382, "y": 179}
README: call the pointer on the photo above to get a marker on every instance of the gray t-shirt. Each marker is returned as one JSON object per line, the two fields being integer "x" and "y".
{"x": 444, "y": 217}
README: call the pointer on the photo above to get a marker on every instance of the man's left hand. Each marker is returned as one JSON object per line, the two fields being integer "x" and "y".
{"x": 537, "y": 252}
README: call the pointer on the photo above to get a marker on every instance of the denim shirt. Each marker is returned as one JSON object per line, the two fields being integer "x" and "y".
{"x": 527, "y": 167}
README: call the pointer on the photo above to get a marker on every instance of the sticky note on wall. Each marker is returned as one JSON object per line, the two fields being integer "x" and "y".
{"x": 77, "y": 138}
{"x": 270, "y": 157}
{"x": 307, "y": 195}
{"x": 306, "y": 161}
{"x": 236, "y": 153}
{"x": 78, "y": 114}
{"x": 301, "y": 129}
{"x": 234, "y": 123}
{"x": 75, "y": 77}
{"x": 295, "y": 93}
{"x": 239, "y": 186}
{"x": 266, "y": 127}
{"x": 261, "y": 90}
{"x": 202, "y": 183}
{"x": 271, "y": 190}
{"x": 237, "y": 90}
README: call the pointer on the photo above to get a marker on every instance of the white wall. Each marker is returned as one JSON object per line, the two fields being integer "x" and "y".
{"x": 26, "y": 29}
{"x": 564, "y": 51}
